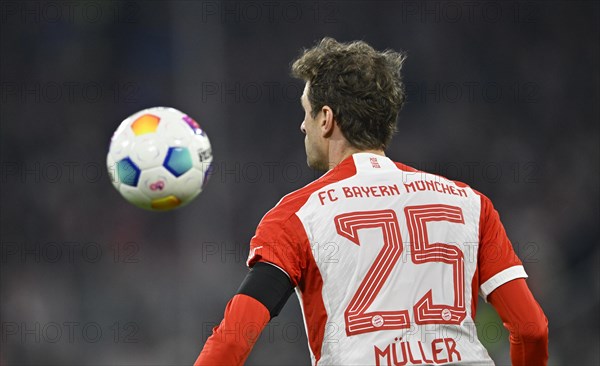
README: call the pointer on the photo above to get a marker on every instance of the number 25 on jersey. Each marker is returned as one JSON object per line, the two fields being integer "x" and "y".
{"x": 357, "y": 317}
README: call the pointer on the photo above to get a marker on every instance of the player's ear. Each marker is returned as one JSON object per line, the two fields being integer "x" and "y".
{"x": 327, "y": 121}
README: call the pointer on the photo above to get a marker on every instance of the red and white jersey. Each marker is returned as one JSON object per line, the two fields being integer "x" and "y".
{"x": 387, "y": 262}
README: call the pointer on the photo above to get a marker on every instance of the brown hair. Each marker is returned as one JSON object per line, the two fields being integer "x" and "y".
{"x": 362, "y": 86}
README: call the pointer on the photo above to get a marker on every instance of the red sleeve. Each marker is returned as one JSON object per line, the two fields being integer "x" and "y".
{"x": 280, "y": 239}
{"x": 497, "y": 262}
{"x": 233, "y": 339}
{"x": 525, "y": 320}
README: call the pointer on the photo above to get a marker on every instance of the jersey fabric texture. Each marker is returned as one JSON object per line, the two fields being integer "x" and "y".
{"x": 387, "y": 262}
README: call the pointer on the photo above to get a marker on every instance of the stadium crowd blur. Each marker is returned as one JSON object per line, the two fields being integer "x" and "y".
{"x": 501, "y": 95}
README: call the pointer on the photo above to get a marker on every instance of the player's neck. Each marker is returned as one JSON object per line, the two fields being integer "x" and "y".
{"x": 338, "y": 152}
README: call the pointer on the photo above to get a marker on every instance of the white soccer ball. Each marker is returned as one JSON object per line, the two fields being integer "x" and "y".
{"x": 159, "y": 159}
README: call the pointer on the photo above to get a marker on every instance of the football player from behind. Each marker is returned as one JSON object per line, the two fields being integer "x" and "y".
{"x": 412, "y": 250}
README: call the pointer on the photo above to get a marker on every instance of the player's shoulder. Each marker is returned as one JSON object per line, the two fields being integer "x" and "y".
{"x": 425, "y": 175}
{"x": 422, "y": 174}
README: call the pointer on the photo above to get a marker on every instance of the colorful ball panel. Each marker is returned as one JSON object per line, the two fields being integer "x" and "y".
{"x": 147, "y": 123}
{"x": 178, "y": 160}
{"x": 193, "y": 125}
{"x": 166, "y": 203}
{"x": 127, "y": 172}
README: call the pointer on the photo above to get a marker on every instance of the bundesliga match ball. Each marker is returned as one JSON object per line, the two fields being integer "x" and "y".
{"x": 159, "y": 159}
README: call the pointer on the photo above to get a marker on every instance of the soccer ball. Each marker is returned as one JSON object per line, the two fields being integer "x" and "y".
{"x": 159, "y": 159}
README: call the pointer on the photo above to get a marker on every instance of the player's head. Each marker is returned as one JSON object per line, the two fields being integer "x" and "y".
{"x": 357, "y": 87}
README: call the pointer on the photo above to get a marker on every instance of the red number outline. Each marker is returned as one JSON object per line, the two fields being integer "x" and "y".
{"x": 358, "y": 319}
{"x": 422, "y": 251}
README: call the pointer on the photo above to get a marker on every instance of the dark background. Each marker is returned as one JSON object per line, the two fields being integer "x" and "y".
{"x": 502, "y": 95}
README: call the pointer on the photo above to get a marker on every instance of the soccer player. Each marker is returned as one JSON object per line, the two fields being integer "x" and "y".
{"x": 387, "y": 261}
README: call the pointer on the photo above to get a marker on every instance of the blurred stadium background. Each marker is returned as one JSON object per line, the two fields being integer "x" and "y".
{"x": 502, "y": 95}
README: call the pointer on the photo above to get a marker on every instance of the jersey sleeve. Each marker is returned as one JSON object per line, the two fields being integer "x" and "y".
{"x": 233, "y": 339}
{"x": 280, "y": 240}
{"x": 498, "y": 263}
{"x": 526, "y": 322}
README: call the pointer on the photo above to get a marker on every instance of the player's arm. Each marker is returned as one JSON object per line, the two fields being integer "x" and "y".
{"x": 503, "y": 284}
{"x": 261, "y": 296}
{"x": 525, "y": 320}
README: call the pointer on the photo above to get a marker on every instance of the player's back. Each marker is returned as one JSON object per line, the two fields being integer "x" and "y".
{"x": 384, "y": 259}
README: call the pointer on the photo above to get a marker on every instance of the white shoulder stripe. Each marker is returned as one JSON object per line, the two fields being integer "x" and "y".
{"x": 500, "y": 279}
